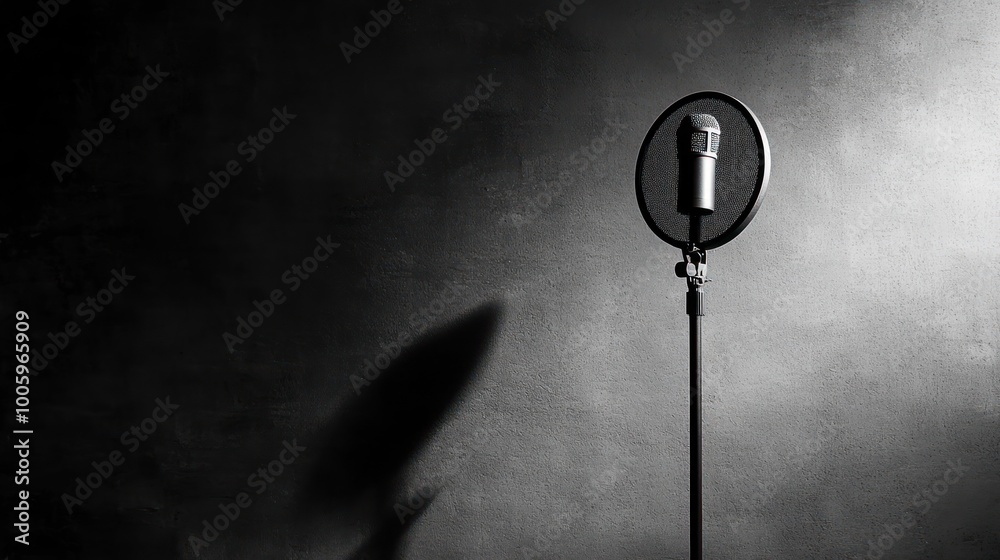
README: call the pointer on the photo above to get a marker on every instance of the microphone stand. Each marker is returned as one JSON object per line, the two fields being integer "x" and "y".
{"x": 694, "y": 269}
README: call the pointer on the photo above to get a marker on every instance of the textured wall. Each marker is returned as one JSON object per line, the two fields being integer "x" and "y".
{"x": 538, "y": 408}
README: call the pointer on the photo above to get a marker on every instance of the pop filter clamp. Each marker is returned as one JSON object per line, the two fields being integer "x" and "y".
{"x": 685, "y": 213}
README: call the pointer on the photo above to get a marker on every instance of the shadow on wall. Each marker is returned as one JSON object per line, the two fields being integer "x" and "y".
{"x": 368, "y": 443}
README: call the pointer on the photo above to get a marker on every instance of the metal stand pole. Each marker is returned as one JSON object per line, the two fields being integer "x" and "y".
{"x": 696, "y": 501}
{"x": 694, "y": 269}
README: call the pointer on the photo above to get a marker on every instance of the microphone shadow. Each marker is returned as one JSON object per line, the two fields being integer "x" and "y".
{"x": 372, "y": 439}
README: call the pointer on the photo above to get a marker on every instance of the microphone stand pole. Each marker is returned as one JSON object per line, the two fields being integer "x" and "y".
{"x": 694, "y": 269}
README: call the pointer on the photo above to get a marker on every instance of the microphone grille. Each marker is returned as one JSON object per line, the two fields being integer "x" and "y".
{"x": 699, "y": 141}
{"x": 702, "y": 120}
{"x": 705, "y": 136}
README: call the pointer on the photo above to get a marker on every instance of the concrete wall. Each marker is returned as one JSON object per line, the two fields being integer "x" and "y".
{"x": 538, "y": 408}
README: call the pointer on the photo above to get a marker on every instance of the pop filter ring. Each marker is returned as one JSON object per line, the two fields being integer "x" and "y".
{"x": 760, "y": 186}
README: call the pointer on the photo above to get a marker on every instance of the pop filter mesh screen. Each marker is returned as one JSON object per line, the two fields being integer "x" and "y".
{"x": 740, "y": 176}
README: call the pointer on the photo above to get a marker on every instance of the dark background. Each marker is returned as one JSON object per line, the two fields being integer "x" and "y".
{"x": 851, "y": 338}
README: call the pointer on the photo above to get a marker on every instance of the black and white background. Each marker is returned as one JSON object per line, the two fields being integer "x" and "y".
{"x": 358, "y": 280}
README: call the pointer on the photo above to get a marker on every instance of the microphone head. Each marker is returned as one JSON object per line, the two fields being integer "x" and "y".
{"x": 703, "y": 120}
{"x": 705, "y": 133}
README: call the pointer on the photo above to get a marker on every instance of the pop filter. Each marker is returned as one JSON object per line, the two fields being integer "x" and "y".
{"x": 741, "y": 172}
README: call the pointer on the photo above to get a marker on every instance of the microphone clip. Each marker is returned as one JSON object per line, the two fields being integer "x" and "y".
{"x": 695, "y": 269}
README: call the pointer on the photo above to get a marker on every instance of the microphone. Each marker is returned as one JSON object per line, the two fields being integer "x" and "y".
{"x": 705, "y": 134}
